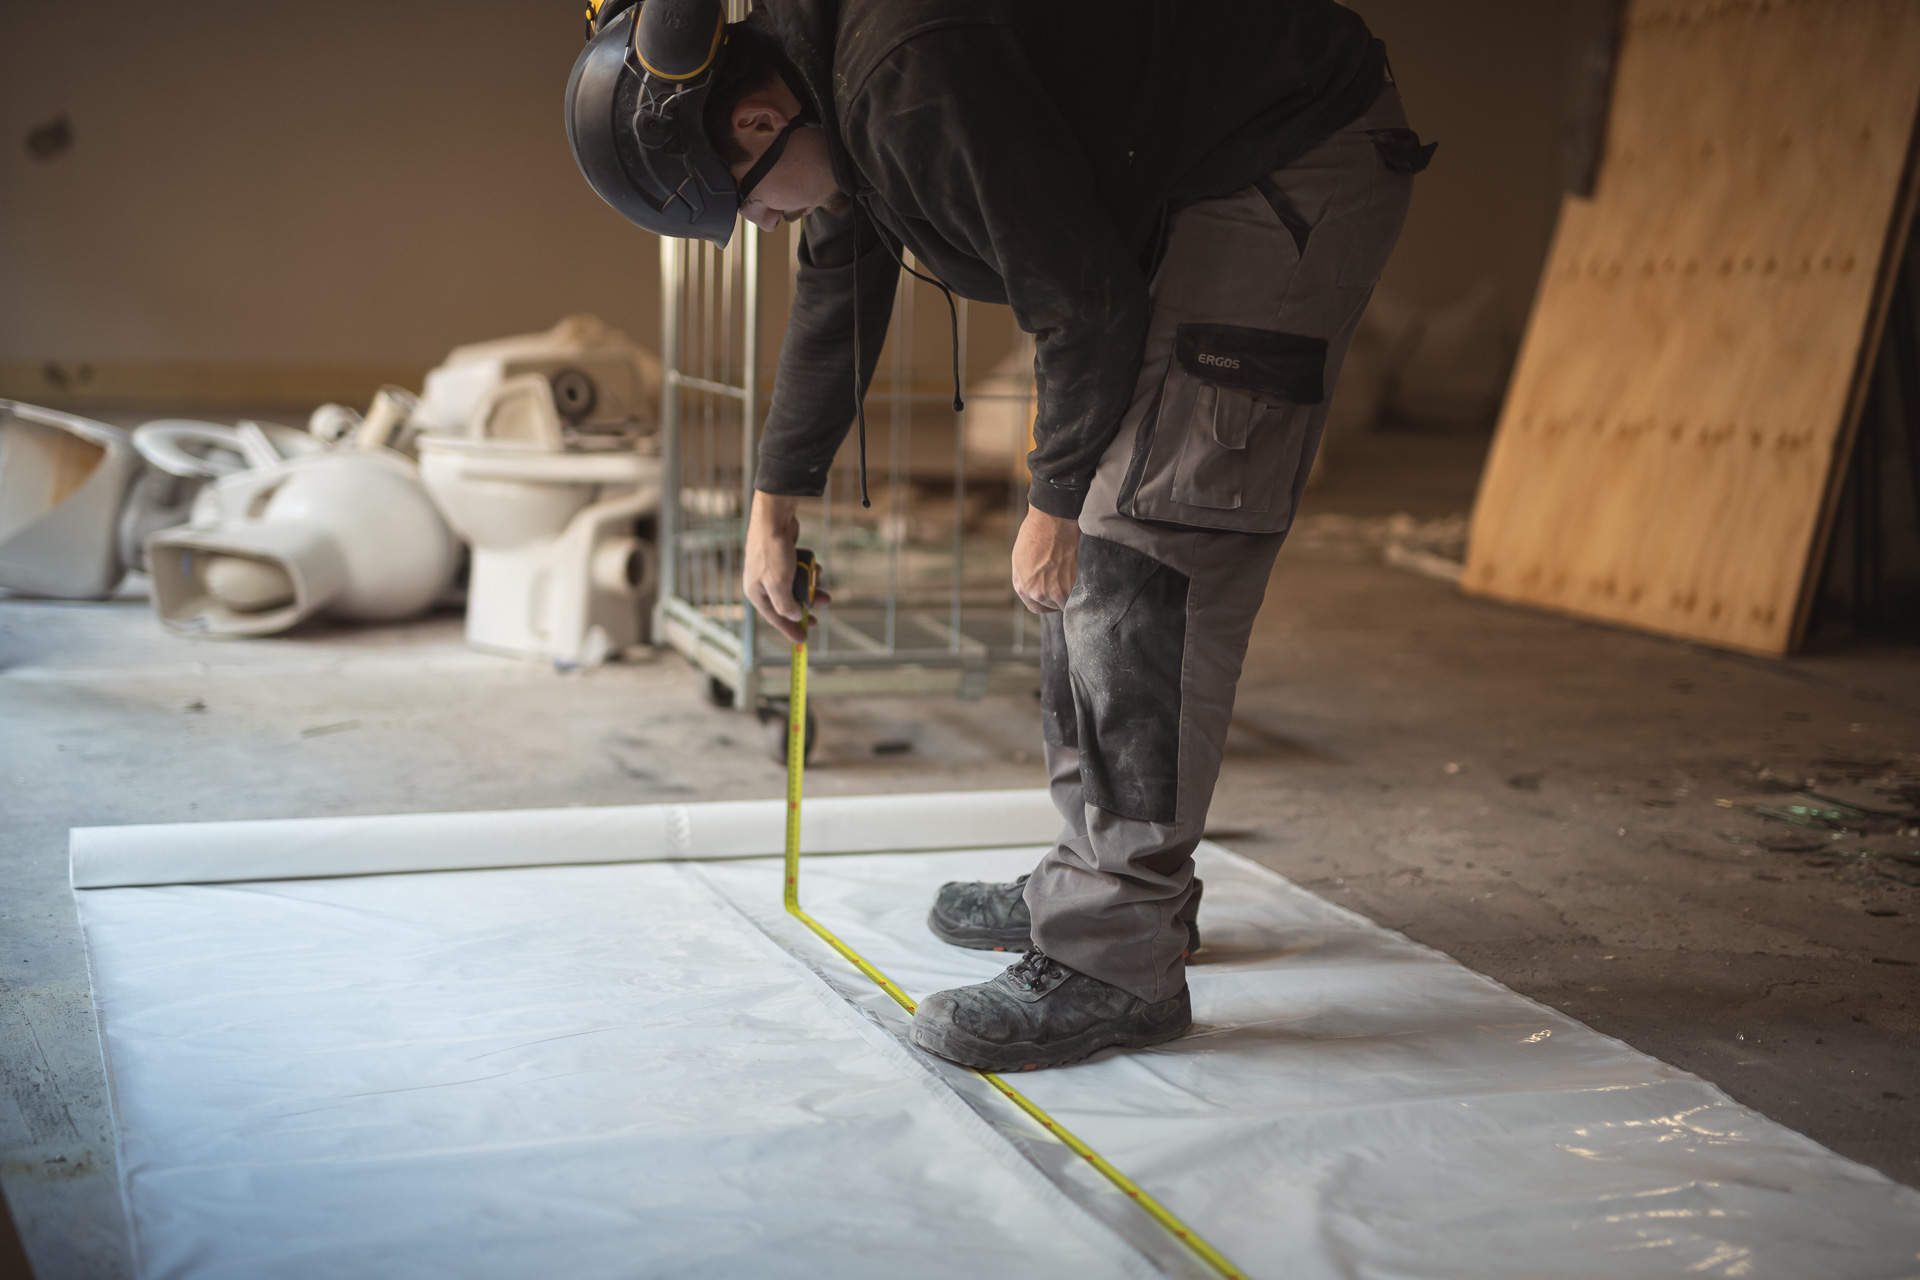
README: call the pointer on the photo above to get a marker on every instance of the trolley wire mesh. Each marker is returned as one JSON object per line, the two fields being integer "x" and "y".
{"x": 921, "y": 596}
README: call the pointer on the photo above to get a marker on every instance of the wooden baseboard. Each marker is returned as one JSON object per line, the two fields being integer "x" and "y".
{"x": 159, "y": 386}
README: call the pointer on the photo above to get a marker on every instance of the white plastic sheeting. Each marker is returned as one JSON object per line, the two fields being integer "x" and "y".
{"x": 569, "y": 1071}
{"x": 646, "y": 1069}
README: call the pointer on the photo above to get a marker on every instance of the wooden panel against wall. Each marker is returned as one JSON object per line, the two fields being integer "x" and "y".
{"x": 1664, "y": 456}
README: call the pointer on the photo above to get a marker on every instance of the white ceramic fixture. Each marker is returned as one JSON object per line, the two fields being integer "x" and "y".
{"x": 352, "y": 534}
{"x": 558, "y": 571}
{"x": 390, "y": 422}
{"x": 63, "y": 483}
{"x": 182, "y": 455}
{"x": 606, "y": 389}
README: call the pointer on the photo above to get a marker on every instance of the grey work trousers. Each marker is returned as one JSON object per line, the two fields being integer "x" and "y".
{"x": 1254, "y": 304}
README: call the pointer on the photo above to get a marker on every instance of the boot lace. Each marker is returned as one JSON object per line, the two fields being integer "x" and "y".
{"x": 1034, "y": 968}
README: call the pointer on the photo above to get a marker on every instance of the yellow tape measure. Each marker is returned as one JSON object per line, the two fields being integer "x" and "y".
{"x": 806, "y": 581}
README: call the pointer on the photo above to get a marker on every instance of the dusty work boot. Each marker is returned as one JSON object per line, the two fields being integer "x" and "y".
{"x": 993, "y": 917}
{"x": 982, "y": 915}
{"x": 1039, "y": 1013}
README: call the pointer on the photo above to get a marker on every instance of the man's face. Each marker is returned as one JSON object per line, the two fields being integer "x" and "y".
{"x": 801, "y": 181}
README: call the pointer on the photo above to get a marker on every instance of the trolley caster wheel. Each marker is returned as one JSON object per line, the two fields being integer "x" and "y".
{"x": 775, "y": 730}
{"x": 717, "y": 693}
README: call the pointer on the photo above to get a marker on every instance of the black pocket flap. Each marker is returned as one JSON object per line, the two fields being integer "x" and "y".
{"x": 1284, "y": 366}
{"x": 1401, "y": 150}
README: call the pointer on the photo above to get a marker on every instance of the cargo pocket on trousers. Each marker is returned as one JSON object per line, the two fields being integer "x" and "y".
{"x": 1218, "y": 467}
{"x": 1224, "y": 442}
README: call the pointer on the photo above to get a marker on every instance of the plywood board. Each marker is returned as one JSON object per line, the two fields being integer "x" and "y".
{"x": 1688, "y": 376}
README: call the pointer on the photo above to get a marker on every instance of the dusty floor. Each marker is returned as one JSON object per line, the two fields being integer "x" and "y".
{"x": 1536, "y": 797}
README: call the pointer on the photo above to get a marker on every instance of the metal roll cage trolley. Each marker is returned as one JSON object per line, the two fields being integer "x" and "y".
{"x": 909, "y": 615}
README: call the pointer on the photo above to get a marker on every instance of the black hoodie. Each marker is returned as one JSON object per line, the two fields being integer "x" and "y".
{"x": 1028, "y": 152}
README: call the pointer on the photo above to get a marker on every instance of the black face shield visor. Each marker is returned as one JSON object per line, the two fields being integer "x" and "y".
{"x": 636, "y": 123}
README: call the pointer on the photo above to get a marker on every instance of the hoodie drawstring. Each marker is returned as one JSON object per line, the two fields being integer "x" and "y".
{"x": 953, "y": 318}
{"x": 860, "y": 392}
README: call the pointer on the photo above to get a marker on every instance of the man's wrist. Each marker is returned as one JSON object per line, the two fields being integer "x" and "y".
{"x": 779, "y": 505}
{"x": 1058, "y": 526}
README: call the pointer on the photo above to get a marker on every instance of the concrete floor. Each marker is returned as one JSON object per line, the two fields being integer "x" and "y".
{"x": 1534, "y": 796}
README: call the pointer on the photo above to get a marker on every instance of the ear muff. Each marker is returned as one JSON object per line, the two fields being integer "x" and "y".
{"x": 677, "y": 40}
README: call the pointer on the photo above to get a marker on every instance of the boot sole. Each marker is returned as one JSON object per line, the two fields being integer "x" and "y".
{"x": 956, "y": 1045}
{"x": 979, "y": 938}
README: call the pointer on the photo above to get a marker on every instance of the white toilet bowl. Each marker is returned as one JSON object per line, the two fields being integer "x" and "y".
{"x": 183, "y": 455}
{"x": 557, "y": 572}
{"x": 352, "y": 534}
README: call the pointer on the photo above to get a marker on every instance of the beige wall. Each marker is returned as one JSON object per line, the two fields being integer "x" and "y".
{"x": 1491, "y": 80}
{"x": 274, "y": 201}
{"x": 259, "y": 189}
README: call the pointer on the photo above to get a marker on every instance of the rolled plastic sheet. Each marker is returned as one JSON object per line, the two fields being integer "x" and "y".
{"x": 647, "y": 1069}
{"x": 305, "y": 848}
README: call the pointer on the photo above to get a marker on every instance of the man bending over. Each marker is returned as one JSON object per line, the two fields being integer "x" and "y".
{"x": 1188, "y": 206}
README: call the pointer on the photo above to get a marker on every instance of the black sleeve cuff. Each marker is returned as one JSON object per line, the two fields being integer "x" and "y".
{"x": 790, "y": 477}
{"x": 1057, "y": 500}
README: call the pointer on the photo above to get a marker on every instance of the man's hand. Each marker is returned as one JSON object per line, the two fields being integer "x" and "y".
{"x": 773, "y": 529}
{"x": 1046, "y": 558}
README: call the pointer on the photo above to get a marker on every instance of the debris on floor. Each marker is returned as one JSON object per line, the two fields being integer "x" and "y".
{"x": 1431, "y": 548}
{"x": 1830, "y": 832}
